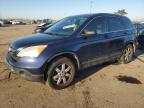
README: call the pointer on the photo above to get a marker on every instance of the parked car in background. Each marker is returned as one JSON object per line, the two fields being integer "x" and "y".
{"x": 139, "y": 28}
{"x": 141, "y": 39}
{"x": 17, "y": 22}
{"x": 1, "y": 23}
{"x": 4, "y": 23}
{"x": 42, "y": 27}
{"x": 72, "y": 44}
{"x": 140, "y": 33}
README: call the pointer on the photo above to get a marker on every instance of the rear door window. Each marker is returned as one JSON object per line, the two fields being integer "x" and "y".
{"x": 115, "y": 24}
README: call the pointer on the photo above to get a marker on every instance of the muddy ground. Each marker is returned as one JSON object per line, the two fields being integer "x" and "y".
{"x": 109, "y": 85}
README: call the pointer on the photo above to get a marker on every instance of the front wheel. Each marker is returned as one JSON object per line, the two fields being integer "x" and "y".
{"x": 127, "y": 54}
{"x": 61, "y": 73}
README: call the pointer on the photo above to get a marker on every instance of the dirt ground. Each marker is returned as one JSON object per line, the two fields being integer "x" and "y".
{"x": 110, "y": 85}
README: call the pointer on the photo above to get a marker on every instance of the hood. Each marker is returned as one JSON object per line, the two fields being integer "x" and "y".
{"x": 35, "y": 39}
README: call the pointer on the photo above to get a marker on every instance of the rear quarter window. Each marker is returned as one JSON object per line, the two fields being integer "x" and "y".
{"x": 128, "y": 24}
{"x": 119, "y": 23}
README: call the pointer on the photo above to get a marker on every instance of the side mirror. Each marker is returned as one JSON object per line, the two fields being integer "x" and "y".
{"x": 88, "y": 33}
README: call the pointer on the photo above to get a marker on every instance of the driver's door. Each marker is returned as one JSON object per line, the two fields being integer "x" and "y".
{"x": 95, "y": 45}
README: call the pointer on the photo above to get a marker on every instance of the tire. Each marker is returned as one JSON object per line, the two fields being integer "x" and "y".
{"x": 61, "y": 73}
{"x": 127, "y": 54}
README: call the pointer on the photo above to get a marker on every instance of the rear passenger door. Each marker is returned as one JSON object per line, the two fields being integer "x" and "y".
{"x": 116, "y": 36}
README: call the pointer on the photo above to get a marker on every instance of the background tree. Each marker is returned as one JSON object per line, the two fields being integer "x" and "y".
{"x": 121, "y": 12}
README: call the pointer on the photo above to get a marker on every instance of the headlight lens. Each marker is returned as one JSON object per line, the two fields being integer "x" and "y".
{"x": 33, "y": 51}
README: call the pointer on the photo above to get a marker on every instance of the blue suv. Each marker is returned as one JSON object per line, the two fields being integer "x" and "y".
{"x": 72, "y": 44}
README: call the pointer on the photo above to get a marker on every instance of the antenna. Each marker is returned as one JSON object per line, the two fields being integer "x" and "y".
{"x": 91, "y": 3}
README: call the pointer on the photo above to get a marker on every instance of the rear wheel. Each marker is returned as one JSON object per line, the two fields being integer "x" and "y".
{"x": 61, "y": 73}
{"x": 127, "y": 54}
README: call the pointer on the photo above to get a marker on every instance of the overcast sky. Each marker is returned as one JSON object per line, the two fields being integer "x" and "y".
{"x": 35, "y": 9}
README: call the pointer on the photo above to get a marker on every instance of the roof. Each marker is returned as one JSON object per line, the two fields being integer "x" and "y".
{"x": 99, "y": 14}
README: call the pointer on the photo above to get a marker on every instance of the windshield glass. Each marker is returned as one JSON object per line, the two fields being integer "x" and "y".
{"x": 66, "y": 26}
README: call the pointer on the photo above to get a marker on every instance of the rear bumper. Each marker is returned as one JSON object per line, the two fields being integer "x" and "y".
{"x": 24, "y": 73}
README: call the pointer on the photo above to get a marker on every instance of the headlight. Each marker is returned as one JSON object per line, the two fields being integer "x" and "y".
{"x": 33, "y": 51}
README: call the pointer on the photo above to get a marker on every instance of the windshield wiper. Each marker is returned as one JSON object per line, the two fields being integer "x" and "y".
{"x": 55, "y": 34}
{"x": 50, "y": 33}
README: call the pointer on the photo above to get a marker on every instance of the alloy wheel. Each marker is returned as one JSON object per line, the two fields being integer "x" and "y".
{"x": 62, "y": 74}
{"x": 128, "y": 54}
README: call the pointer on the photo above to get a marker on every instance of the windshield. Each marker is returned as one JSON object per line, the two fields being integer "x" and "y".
{"x": 66, "y": 26}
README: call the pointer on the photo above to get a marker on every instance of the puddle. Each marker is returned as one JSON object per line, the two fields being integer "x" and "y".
{"x": 128, "y": 79}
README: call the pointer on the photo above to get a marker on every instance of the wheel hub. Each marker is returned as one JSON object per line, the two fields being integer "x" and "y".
{"x": 62, "y": 74}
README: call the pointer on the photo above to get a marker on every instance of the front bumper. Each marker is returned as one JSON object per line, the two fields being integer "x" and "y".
{"x": 24, "y": 73}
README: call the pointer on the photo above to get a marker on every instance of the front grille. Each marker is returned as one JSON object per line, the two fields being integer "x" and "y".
{"x": 13, "y": 53}
{"x": 12, "y": 50}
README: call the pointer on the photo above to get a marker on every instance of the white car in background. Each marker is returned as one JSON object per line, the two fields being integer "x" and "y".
{"x": 1, "y": 23}
{"x": 15, "y": 22}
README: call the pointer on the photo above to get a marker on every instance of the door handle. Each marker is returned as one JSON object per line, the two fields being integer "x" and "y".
{"x": 106, "y": 36}
{"x": 125, "y": 33}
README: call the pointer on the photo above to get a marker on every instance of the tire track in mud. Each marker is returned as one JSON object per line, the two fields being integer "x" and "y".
{"x": 87, "y": 102}
{"x": 1, "y": 62}
{"x": 7, "y": 76}
{"x": 72, "y": 89}
{"x": 4, "y": 72}
{"x": 4, "y": 43}
{"x": 6, "y": 69}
